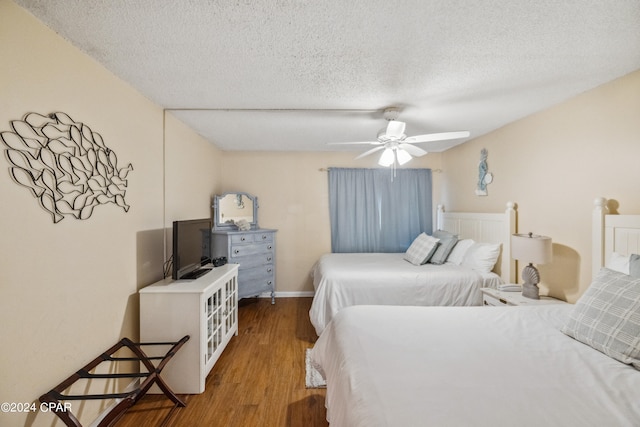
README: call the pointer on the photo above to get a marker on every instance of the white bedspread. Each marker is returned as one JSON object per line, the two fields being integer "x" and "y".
{"x": 472, "y": 366}
{"x": 342, "y": 280}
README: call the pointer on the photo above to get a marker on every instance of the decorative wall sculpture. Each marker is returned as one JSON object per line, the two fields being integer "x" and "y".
{"x": 484, "y": 176}
{"x": 66, "y": 165}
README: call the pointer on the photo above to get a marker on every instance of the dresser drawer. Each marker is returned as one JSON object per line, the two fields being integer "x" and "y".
{"x": 254, "y": 261}
{"x": 246, "y": 250}
{"x": 242, "y": 238}
{"x": 255, "y": 286}
{"x": 263, "y": 272}
{"x": 252, "y": 238}
{"x": 491, "y": 300}
{"x": 263, "y": 237}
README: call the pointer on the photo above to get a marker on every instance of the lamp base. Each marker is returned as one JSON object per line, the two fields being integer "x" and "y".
{"x": 530, "y": 290}
{"x": 531, "y": 279}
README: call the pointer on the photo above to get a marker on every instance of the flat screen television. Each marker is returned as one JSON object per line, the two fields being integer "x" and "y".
{"x": 191, "y": 248}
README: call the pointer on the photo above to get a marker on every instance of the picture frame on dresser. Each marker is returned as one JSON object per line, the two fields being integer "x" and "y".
{"x": 251, "y": 247}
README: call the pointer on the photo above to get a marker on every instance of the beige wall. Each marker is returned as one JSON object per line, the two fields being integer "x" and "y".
{"x": 69, "y": 290}
{"x": 554, "y": 164}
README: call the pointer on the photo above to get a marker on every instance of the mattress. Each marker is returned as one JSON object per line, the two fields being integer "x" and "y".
{"x": 472, "y": 366}
{"x": 346, "y": 279}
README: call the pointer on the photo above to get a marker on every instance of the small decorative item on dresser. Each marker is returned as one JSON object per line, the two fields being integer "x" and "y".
{"x": 532, "y": 249}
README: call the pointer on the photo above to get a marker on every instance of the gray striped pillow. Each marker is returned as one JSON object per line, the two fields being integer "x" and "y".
{"x": 421, "y": 249}
{"x": 445, "y": 246}
{"x": 607, "y": 317}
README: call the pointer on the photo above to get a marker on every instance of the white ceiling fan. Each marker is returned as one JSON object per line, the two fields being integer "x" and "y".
{"x": 396, "y": 145}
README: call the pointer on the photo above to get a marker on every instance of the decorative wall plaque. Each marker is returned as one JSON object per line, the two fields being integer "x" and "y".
{"x": 484, "y": 176}
{"x": 66, "y": 165}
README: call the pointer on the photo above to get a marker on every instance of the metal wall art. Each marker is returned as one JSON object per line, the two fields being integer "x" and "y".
{"x": 484, "y": 176}
{"x": 66, "y": 165}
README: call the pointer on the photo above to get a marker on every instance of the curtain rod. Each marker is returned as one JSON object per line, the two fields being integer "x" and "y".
{"x": 432, "y": 170}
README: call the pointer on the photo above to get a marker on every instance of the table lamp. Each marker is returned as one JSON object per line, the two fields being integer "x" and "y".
{"x": 534, "y": 250}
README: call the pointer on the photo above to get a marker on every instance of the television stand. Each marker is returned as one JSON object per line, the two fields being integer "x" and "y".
{"x": 206, "y": 309}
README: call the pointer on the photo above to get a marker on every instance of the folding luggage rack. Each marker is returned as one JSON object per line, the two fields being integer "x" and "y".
{"x": 125, "y": 400}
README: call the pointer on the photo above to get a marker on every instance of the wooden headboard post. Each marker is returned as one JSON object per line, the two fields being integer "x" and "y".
{"x": 512, "y": 226}
{"x": 612, "y": 233}
{"x": 485, "y": 227}
{"x": 600, "y": 211}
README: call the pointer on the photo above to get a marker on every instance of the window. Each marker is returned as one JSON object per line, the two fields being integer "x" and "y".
{"x": 370, "y": 212}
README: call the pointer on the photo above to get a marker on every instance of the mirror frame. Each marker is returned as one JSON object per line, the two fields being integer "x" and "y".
{"x": 217, "y": 225}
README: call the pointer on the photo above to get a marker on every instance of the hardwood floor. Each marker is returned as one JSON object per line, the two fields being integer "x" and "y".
{"x": 258, "y": 380}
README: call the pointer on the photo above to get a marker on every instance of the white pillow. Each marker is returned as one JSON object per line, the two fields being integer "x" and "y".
{"x": 457, "y": 253}
{"x": 481, "y": 257}
{"x": 618, "y": 262}
{"x": 421, "y": 249}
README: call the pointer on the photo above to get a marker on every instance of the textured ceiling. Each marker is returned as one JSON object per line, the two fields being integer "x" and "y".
{"x": 325, "y": 70}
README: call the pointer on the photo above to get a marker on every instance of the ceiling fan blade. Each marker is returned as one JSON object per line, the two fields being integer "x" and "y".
{"x": 437, "y": 137}
{"x": 395, "y": 129}
{"x": 373, "y": 150}
{"x": 357, "y": 143}
{"x": 412, "y": 149}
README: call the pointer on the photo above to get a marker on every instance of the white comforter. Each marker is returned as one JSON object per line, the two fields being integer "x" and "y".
{"x": 342, "y": 280}
{"x": 472, "y": 366}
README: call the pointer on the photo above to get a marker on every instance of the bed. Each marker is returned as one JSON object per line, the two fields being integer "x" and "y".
{"x": 551, "y": 365}
{"x": 342, "y": 280}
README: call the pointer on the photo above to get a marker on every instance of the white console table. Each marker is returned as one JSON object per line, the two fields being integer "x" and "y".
{"x": 206, "y": 309}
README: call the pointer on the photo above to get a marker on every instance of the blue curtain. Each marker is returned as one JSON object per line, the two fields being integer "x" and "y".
{"x": 373, "y": 211}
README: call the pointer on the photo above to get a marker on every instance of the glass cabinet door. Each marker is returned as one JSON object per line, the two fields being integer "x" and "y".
{"x": 214, "y": 308}
{"x": 231, "y": 298}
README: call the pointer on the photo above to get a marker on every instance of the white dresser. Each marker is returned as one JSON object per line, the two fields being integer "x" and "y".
{"x": 255, "y": 251}
{"x": 206, "y": 309}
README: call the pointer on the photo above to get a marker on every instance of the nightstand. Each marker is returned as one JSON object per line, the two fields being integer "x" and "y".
{"x": 495, "y": 297}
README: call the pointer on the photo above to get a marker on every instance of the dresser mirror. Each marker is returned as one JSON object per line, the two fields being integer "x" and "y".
{"x": 229, "y": 208}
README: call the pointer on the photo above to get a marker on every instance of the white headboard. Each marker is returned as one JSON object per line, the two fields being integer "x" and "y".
{"x": 612, "y": 233}
{"x": 485, "y": 227}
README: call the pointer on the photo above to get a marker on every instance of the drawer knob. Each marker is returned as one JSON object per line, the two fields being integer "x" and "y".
{"x": 237, "y": 251}
{"x": 269, "y": 247}
{"x": 268, "y": 258}
{"x": 264, "y": 237}
{"x": 243, "y": 238}
{"x": 269, "y": 270}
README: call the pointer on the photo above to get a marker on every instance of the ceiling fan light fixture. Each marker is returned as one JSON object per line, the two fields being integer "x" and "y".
{"x": 398, "y": 147}
{"x": 387, "y": 158}
{"x": 402, "y": 156}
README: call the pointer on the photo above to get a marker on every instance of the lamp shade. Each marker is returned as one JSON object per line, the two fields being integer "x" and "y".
{"x": 531, "y": 248}
{"x": 402, "y": 156}
{"x": 387, "y": 158}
